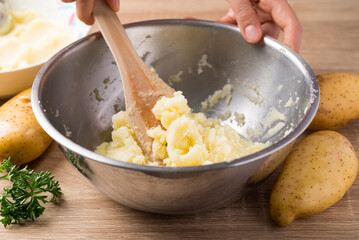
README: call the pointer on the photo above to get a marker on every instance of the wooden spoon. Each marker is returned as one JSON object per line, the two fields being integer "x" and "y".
{"x": 142, "y": 87}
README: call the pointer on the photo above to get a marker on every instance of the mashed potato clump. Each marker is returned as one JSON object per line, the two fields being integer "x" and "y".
{"x": 185, "y": 138}
{"x": 124, "y": 146}
{"x": 32, "y": 39}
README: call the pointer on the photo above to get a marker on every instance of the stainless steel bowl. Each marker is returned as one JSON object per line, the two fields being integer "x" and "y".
{"x": 79, "y": 89}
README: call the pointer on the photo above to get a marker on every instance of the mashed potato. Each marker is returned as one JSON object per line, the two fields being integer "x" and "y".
{"x": 32, "y": 39}
{"x": 185, "y": 138}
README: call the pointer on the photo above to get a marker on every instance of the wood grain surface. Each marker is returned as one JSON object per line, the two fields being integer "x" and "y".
{"x": 330, "y": 43}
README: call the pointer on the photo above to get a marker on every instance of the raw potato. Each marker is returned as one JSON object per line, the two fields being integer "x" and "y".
{"x": 339, "y": 94}
{"x": 21, "y": 136}
{"x": 316, "y": 175}
{"x": 271, "y": 164}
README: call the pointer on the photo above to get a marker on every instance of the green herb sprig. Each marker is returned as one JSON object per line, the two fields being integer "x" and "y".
{"x": 23, "y": 200}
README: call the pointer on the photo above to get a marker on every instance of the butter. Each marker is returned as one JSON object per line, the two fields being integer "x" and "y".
{"x": 186, "y": 139}
{"x": 32, "y": 39}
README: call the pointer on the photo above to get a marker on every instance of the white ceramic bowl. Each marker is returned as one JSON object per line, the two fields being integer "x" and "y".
{"x": 15, "y": 80}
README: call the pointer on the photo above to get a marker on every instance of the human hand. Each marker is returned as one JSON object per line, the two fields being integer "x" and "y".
{"x": 84, "y": 9}
{"x": 256, "y": 18}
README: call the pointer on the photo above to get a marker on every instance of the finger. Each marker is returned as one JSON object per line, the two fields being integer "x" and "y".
{"x": 271, "y": 29}
{"x": 190, "y": 18}
{"x": 284, "y": 16}
{"x": 114, "y": 4}
{"x": 229, "y": 18}
{"x": 68, "y": 1}
{"x": 247, "y": 20}
{"x": 84, "y": 11}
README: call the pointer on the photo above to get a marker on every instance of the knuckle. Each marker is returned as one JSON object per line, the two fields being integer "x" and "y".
{"x": 244, "y": 13}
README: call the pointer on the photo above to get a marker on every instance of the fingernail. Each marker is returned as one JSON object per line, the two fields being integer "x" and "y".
{"x": 252, "y": 33}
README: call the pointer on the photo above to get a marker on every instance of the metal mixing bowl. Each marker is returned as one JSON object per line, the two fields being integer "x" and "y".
{"x": 78, "y": 90}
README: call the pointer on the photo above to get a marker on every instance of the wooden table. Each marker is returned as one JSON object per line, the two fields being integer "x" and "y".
{"x": 330, "y": 43}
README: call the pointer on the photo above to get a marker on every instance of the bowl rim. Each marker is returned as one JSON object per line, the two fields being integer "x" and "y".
{"x": 25, "y": 67}
{"x": 264, "y": 153}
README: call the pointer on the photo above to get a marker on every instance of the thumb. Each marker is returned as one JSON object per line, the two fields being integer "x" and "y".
{"x": 247, "y": 19}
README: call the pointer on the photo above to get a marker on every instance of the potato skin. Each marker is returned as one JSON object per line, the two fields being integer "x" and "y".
{"x": 339, "y": 101}
{"x": 317, "y": 173}
{"x": 21, "y": 136}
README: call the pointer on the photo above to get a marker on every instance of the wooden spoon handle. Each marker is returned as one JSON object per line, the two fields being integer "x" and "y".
{"x": 115, "y": 36}
{"x": 131, "y": 66}
{"x": 142, "y": 87}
